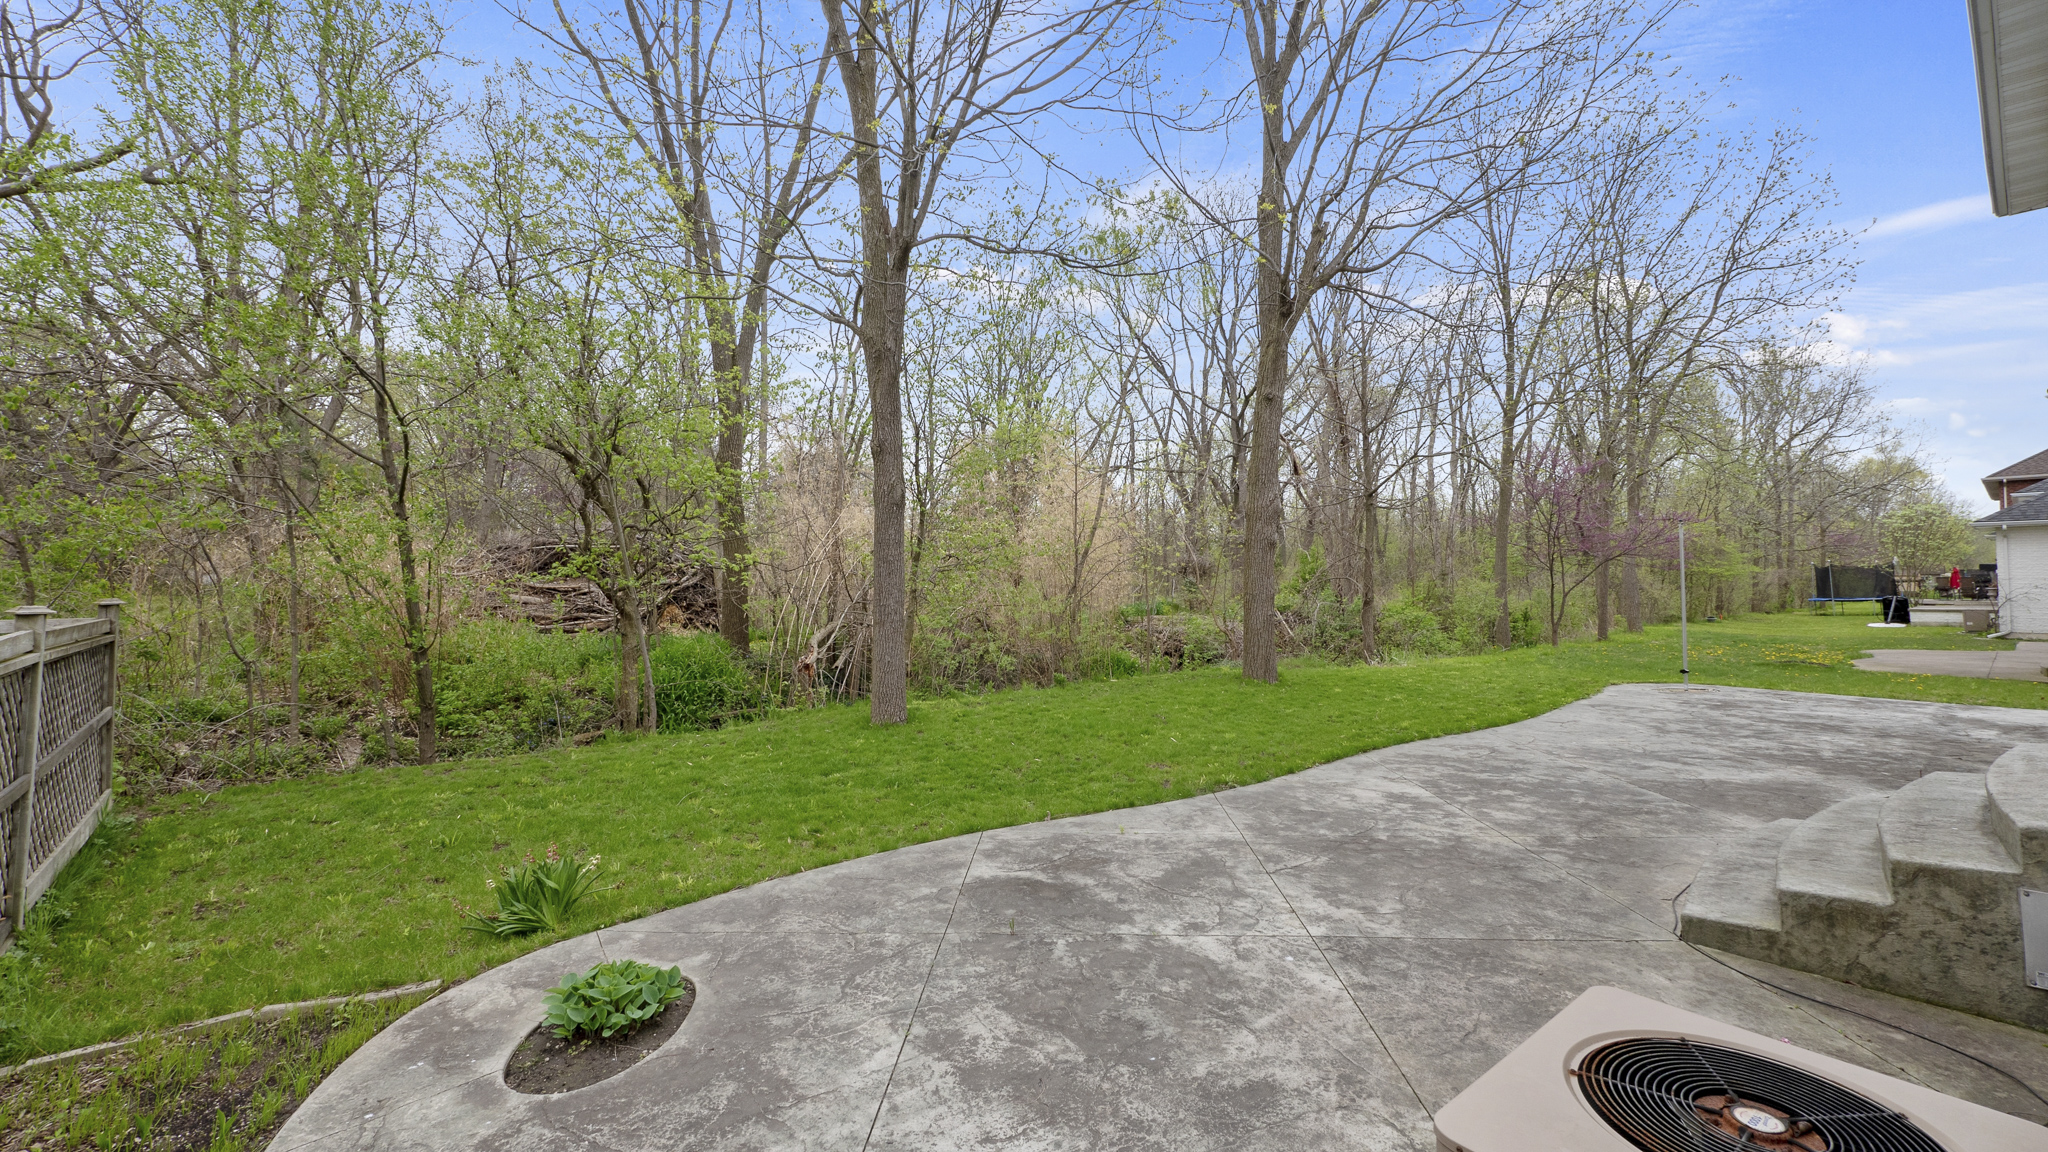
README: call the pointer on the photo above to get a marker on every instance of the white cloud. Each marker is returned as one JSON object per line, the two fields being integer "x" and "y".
{"x": 1846, "y": 328}
{"x": 1929, "y": 217}
{"x": 1961, "y": 370}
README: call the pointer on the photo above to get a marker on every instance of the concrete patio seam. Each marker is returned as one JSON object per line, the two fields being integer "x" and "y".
{"x": 1323, "y": 955}
{"x": 910, "y": 1024}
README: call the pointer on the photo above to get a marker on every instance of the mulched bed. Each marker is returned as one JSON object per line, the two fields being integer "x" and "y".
{"x": 545, "y": 1064}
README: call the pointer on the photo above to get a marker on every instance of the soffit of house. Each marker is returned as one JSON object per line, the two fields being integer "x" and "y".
{"x": 2011, "y": 40}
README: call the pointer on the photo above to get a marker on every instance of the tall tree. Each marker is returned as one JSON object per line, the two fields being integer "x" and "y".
{"x": 725, "y": 103}
{"x": 579, "y": 328}
{"x": 1703, "y": 246}
{"x": 1358, "y": 105}
{"x": 938, "y": 90}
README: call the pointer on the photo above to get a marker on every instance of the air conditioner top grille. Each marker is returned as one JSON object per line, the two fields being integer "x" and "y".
{"x": 1675, "y": 1095}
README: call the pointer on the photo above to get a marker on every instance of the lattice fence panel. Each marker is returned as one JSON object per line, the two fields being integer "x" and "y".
{"x": 65, "y": 795}
{"x": 74, "y": 691}
{"x": 73, "y": 739}
{"x": 12, "y": 688}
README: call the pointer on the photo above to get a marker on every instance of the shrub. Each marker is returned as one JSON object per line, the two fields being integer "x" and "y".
{"x": 1322, "y": 624}
{"x": 1410, "y": 626}
{"x": 612, "y": 998}
{"x": 502, "y": 686}
{"x": 697, "y": 684}
{"x": 1429, "y": 621}
{"x": 1203, "y": 643}
{"x": 534, "y": 895}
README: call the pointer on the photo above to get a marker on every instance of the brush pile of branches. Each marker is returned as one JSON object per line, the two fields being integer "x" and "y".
{"x": 526, "y": 581}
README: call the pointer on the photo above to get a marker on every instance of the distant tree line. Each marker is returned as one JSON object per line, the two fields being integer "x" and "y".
{"x": 1428, "y": 334}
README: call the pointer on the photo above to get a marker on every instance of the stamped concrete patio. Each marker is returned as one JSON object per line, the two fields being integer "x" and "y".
{"x": 1314, "y": 962}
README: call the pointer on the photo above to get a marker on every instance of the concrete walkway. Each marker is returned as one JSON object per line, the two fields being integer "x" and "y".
{"x": 1313, "y": 962}
{"x": 2026, "y": 661}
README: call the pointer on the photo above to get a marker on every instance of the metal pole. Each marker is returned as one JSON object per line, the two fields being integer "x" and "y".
{"x": 1684, "y": 650}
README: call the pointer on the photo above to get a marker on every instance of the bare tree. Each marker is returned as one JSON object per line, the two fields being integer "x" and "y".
{"x": 1526, "y": 259}
{"x": 38, "y": 50}
{"x": 1702, "y": 247}
{"x": 1787, "y": 447}
{"x": 1358, "y": 106}
{"x": 936, "y": 89}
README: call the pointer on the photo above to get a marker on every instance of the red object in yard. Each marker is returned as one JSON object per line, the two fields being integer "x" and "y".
{"x": 1955, "y": 579}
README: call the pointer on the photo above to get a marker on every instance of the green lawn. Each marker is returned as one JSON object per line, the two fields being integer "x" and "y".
{"x": 203, "y": 904}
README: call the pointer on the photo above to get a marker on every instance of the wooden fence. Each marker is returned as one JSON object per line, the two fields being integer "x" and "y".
{"x": 56, "y": 746}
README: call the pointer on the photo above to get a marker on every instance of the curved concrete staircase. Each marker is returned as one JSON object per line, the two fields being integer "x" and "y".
{"x": 1915, "y": 892}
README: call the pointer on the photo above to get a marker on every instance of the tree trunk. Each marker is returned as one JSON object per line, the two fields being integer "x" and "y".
{"x": 19, "y": 541}
{"x": 291, "y": 605}
{"x": 1503, "y": 523}
{"x": 491, "y": 503}
{"x": 1262, "y": 495}
{"x": 418, "y": 646}
{"x": 633, "y": 713}
{"x": 1368, "y": 581}
{"x": 1631, "y": 570}
{"x": 1603, "y": 605}
{"x": 885, "y": 255}
{"x": 733, "y": 620}
{"x": 731, "y": 454}
{"x": 882, "y": 348}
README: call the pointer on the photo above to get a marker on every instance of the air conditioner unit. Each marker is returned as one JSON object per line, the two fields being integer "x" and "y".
{"x": 1615, "y": 1072}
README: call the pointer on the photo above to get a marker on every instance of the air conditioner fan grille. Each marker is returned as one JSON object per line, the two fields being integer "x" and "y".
{"x": 1674, "y": 1095}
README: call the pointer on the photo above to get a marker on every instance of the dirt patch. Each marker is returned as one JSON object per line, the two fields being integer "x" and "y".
{"x": 544, "y": 1064}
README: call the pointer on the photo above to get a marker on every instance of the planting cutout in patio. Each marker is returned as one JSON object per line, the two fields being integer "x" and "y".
{"x": 545, "y": 1064}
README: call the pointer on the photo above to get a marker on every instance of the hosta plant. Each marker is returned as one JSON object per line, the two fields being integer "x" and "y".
{"x": 535, "y": 895}
{"x": 612, "y": 998}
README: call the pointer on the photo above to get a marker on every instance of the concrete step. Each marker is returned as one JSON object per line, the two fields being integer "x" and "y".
{"x": 1954, "y": 932}
{"x": 1834, "y": 892}
{"x": 1941, "y": 826}
{"x": 2018, "y": 785}
{"x": 1915, "y": 892}
{"x": 1733, "y": 901}
{"x": 1837, "y": 854}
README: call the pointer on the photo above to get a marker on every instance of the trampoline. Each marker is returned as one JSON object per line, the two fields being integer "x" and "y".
{"x": 1835, "y": 584}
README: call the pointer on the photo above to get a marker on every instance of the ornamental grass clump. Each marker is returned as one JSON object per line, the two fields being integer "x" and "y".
{"x": 535, "y": 895}
{"x": 613, "y": 998}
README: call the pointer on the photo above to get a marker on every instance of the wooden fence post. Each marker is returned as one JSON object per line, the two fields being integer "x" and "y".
{"x": 110, "y": 611}
{"x": 34, "y": 619}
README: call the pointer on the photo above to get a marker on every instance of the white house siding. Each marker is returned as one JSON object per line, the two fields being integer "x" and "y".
{"x": 2023, "y": 579}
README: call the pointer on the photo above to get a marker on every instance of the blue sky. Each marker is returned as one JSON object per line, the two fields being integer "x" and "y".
{"x": 1950, "y": 306}
{"x": 1949, "y": 309}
